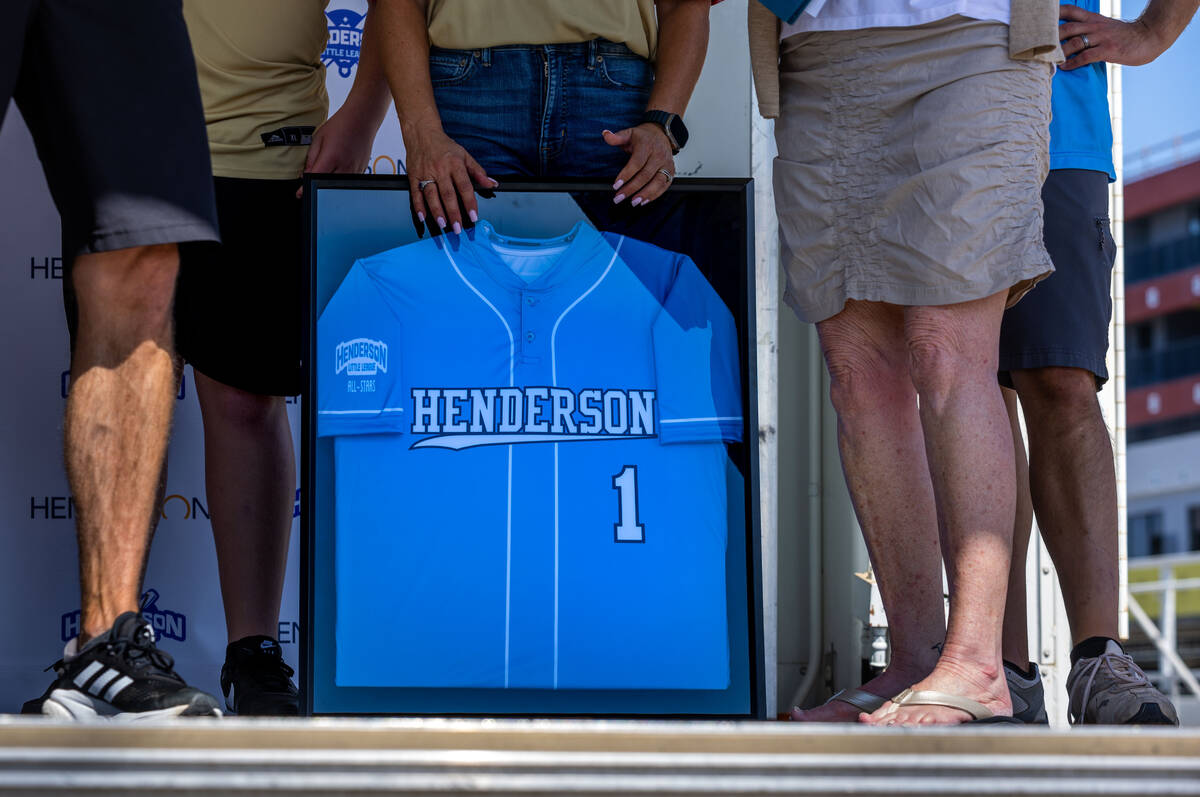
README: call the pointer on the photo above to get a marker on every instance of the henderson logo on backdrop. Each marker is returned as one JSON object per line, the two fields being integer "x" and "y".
{"x": 345, "y": 40}
{"x": 45, "y": 268}
{"x": 62, "y": 507}
{"x": 167, "y": 624}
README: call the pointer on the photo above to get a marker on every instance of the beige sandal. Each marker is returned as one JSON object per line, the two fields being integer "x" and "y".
{"x": 930, "y": 697}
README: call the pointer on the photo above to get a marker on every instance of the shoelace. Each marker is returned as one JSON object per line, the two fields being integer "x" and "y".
{"x": 1123, "y": 670}
{"x": 270, "y": 671}
{"x": 138, "y": 654}
{"x": 142, "y": 654}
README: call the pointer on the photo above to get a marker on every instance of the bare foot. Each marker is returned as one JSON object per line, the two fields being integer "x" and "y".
{"x": 890, "y": 682}
{"x": 985, "y": 685}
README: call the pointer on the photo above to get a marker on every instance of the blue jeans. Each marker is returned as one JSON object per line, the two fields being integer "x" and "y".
{"x": 538, "y": 110}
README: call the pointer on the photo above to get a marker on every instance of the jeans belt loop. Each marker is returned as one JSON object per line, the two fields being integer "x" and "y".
{"x": 485, "y": 56}
{"x": 593, "y": 49}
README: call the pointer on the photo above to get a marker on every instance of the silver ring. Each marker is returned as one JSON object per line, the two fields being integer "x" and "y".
{"x": 667, "y": 175}
{"x": 422, "y": 183}
{"x": 1086, "y": 44}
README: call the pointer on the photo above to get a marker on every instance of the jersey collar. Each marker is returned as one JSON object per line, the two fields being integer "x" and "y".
{"x": 583, "y": 242}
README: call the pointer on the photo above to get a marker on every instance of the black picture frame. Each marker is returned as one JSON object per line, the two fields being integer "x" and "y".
{"x": 735, "y": 197}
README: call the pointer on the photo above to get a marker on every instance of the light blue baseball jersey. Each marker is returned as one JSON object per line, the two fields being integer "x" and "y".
{"x": 530, "y": 464}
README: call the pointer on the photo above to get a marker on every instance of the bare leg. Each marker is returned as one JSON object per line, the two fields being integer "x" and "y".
{"x": 883, "y": 458}
{"x": 1016, "y": 613}
{"x": 1074, "y": 487}
{"x": 117, "y": 419}
{"x": 968, "y": 443}
{"x": 250, "y": 475}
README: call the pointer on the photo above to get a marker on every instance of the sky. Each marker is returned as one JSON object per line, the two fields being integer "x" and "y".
{"x": 1162, "y": 98}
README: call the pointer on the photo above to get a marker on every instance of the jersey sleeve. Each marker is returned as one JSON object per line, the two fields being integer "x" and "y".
{"x": 359, "y": 388}
{"x": 696, "y": 362}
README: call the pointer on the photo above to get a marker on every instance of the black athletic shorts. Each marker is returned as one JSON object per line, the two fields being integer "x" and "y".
{"x": 108, "y": 89}
{"x": 1063, "y": 321}
{"x": 238, "y": 309}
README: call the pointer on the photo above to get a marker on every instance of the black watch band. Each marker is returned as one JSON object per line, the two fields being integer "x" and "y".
{"x": 672, "y": 125}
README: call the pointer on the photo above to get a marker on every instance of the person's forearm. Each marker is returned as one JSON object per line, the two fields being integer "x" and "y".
{"x": 403, "y": 30}
{"x": 682, "y": 44}
{"x": 369, "y": 95}
{"x": 1166, "y": 19}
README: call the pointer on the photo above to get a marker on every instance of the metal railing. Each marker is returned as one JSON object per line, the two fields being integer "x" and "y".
{"x": 1145, "y": 262}
{"x": 1172, "y": 361}
{"x": 1173, "y": 672}
{"x": 1165, "y": 155}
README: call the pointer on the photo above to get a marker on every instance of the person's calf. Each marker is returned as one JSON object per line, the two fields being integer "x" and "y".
{"x": 118, "y": 413}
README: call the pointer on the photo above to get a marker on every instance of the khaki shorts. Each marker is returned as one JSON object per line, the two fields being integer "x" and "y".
{"x": 910, "y": 166}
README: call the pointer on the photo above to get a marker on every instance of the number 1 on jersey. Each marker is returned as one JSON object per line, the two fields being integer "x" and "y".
{"x": 628, "y": 529}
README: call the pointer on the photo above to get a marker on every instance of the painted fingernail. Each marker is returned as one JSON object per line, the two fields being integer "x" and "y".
{"x": 637, "y": 200}
{"x": 618, "y": 198}
{"x": 420, "y": 217}
{"x": 474, "y": 216}
{"x": 441, "y": 222}
{"x": 457, "y": 228}
{"x": 495, "y": 182}
{"x": 606, "y": 130}
{"x": 617, "y": 185}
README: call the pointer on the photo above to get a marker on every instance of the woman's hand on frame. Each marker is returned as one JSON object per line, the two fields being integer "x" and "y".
{"x": 651, "y": 166}
{"x": 442, "y": 177}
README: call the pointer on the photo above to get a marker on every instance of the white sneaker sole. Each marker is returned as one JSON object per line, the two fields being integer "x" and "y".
{"x": 69, "y": 704}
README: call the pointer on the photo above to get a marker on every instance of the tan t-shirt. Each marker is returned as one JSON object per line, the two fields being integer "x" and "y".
{"x": 259, "y": 64}
{"x": 473, "y": 24}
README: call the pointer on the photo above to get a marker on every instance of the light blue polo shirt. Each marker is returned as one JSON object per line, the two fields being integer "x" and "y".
{"x": 1081, "y": 129}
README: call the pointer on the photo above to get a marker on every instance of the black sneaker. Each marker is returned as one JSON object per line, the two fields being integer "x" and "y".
{"x": 1028, "y": 695}
{"x": 256, "y": 681}
{"x": 123, "y": 676}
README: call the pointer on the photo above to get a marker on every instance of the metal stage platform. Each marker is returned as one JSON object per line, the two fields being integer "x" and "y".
{"x": 550, "y": 757}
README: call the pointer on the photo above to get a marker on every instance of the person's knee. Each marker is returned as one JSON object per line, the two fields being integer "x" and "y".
{"x": 1056, "y": 390}
{"x": 938, "y": 363}
{"x": 236, "y": 408}
{"x": 134, "y": 286}
{"x": 863, "y": 378}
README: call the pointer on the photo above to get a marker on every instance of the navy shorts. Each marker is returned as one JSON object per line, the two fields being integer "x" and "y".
{"x": 1063, "y": 322}
{"x": 109, "y": 92}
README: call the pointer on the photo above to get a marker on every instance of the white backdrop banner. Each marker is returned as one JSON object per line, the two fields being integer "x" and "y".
{"x": 38, "y": 563}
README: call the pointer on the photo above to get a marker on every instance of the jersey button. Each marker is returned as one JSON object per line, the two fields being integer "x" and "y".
{"x": 529, "y": 300}
{"x": 529, "y": 336}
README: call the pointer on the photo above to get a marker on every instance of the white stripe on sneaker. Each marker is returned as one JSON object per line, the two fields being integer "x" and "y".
{"x": 87, "y": 672}
{"x": 117, "y": 687}
{"x": 102, "y": 680}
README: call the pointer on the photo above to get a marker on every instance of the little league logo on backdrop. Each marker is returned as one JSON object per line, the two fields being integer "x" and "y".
{"x": 167, "y": 624}
{"x": 345, "y": 40}
{"x": 346, "y": 24}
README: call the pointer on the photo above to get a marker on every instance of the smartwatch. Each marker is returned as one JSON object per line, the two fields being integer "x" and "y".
{"x": 671, "y": 124}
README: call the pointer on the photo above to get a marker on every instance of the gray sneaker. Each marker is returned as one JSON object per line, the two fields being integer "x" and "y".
{"x": 1028, "y": 696}
{"x": 1110, "y": 689}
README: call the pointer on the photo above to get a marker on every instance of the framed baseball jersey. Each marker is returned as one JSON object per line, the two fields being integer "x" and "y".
{"x": 527, "y": 470}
